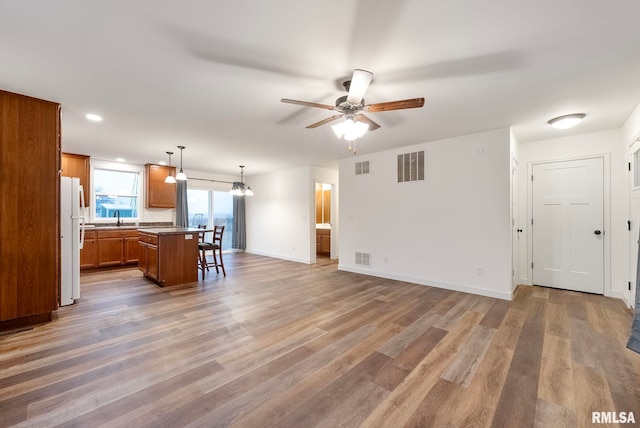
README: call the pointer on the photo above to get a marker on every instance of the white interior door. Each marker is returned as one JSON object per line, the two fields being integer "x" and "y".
{"x": 515, "y": 229}
{"x": 634, "y": 218}
{"x": 568, "y": 225}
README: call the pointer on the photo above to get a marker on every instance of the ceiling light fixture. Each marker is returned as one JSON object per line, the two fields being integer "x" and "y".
{"x": 351, "y": 130}
{"x": 181, "y": 175}
{"x": 93, "y": 117}
{"x": 170, "y": 178}
{"x": 120, "y": 159}
{"x": 566, "y": 121}
{"x": 237, "y": 187}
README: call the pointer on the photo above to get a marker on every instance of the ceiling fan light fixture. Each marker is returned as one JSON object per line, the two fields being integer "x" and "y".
{"x": 566, "y": 121}
{"x": 349, "y": 129}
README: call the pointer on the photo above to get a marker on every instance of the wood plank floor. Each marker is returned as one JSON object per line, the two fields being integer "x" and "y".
{"x": 278, "y": 343}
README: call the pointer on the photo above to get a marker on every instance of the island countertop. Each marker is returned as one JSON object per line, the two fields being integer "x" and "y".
{"x": 172, "y": 230}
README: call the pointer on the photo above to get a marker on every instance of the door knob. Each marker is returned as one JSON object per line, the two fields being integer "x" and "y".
{"x": 597, "y": 232}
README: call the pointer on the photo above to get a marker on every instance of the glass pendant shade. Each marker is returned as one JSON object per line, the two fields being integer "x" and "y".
{"x": 350, "y": 130}
{"x": 170, "y": 178}
{"x": 181, "y": 175}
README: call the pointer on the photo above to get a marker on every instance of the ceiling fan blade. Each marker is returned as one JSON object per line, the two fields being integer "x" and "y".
{"x": 327, "y": 120}
{"x": 308, "y": 104}
{"x": 372, "y": 125}
{"x": 395, "y": 105}
{"x": 359, "y": 84}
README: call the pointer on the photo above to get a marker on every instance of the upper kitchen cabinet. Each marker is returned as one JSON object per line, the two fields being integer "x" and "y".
{"x": 30, "y": 210}
{"x": 78, "y": 166}
{"x": 159, "y": 194}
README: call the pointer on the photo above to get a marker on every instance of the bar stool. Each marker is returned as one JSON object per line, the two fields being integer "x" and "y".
{"x": 214, "y": 246}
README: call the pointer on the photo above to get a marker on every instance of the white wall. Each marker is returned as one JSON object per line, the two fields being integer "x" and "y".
{"x": 604, "y": 142}
{"x": 631, "y": 128}
{"x": 440, "y": 231}
{"x": 281, "y": 214}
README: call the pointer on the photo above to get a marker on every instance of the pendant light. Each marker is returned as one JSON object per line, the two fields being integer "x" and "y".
{"x": 238, "y": 189}
{"x": 170, "y": 178}
{"x": 181, "y": 175}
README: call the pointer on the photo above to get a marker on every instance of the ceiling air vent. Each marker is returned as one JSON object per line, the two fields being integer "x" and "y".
{"x": 363, "y": 259}
{"x": 362, "y": 167}
{"x": 411, "y": 166}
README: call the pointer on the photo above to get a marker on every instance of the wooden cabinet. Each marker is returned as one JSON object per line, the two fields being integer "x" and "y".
{"x": 159, "y": 194}
{"x": 148, "y": 260}
{"x": 78, "y": 166}
{"x": 89, "y": 252}
{"x": 131, "y": 249}
{"x": 323, "y": 242}
{"x": 169, "y": 257}
{"x": 30, "y": 210}
{"x": 115, "y": 247}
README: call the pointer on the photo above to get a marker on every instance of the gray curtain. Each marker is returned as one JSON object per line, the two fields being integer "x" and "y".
{"x": 634, "y": 339}
{"x": 182, "y": 211}
{"x": 239, "y": 236}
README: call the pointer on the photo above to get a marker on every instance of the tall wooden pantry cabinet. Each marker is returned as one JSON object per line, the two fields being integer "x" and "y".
{"x": 29, "y": 210}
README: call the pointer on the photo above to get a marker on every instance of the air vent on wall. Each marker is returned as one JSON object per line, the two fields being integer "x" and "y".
{"x": 362, "y": 167}
{"x": 363, "y": 259}
{"x": 411, "y": 166}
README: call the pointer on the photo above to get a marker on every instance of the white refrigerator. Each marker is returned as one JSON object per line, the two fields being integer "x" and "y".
{"x": 72, "y": 238}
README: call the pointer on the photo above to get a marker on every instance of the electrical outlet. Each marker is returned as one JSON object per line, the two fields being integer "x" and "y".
{"x": 385, "y": 259}
{"x": 479, "y": 271}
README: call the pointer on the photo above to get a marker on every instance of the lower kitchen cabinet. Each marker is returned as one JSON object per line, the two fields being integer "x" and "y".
{"x": 104, "y": 248}
{"x": 148, "y": 250}
{"x": 89, "y": 251}
{"x": 169, "y": 256}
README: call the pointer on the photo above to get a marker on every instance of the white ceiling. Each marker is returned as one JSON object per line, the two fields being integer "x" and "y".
{"x": 209, "y": 75}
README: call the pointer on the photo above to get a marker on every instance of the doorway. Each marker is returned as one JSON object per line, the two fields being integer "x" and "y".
{"x": 324, "y": 207}
{"x": 567, "y": 225}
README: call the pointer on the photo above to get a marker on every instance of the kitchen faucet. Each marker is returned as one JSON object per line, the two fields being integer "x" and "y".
{"x": 117, "y": 213}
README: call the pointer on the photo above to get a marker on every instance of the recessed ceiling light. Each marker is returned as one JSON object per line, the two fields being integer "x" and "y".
{"x": 566, "y": 121}
{"x": 162, "y": 163}
{"x": 93, "y": 117}
{"x": 120, "y": 159}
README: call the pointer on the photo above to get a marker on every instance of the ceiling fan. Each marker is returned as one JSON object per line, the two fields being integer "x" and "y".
{"x": 352, "y": 106}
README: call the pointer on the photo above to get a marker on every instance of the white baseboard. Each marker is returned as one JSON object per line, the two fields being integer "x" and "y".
{"x": 437, "y": 284}
{"x": 279, "y": 256}
{"x": 623, "y": 295}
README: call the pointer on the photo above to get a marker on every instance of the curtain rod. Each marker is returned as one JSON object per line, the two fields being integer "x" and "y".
{"x": 210, "y": 180}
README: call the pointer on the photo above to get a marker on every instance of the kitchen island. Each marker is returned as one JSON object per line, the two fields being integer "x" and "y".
{"x": 169, "y": 255}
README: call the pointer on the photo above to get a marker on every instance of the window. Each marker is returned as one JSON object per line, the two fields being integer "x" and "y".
{"x": 115, "y": 192}
{"x": 199, "y": 206}
{"x": 223, "y": 216}
{"x": 209, "y": 207}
